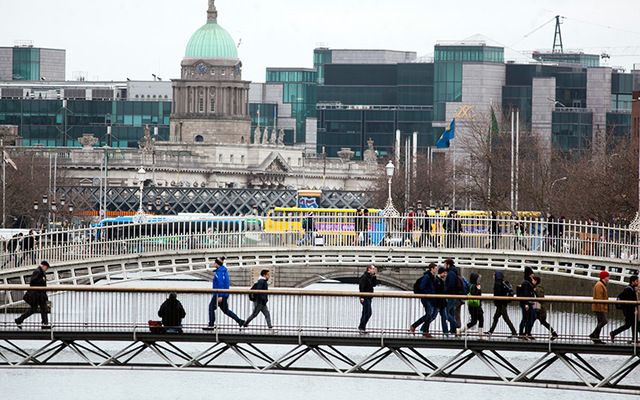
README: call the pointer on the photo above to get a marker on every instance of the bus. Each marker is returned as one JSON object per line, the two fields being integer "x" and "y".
{"x": 328, "y": 226}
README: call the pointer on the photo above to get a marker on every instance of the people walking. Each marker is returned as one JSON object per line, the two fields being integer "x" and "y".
{"x": 628, "y": 310}
{"x": 539, "y": 307}
{"x": 452, "y": 286}
{"x": 260, "y": 299}
{"x": 36, "y": 298}
{"x": 172, "y": 313}
{"x": 600, "y": 292}
{"x": 475, "y": 306}
{"x": 221, "y": 281}
{"x": 367, "y": 282}
{"x": 525, "y": 289}
{"x": 441, "y": 304}
{"x": 28, "y": 248}
{"x": 426, "y": 286}
{"x": 501, "y": 288}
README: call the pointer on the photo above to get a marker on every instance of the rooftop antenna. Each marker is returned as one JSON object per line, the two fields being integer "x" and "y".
{"x": 557, "y": 38}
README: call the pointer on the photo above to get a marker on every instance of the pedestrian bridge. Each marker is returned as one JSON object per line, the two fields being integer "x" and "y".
{"x": 106, "y": 327}
{"x": 335, "y": 247}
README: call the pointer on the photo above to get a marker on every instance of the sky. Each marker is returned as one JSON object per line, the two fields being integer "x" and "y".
{"x": 119, "y": 39}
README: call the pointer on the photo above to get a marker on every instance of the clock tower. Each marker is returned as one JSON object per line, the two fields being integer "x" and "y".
{"x": 210, "y": 100}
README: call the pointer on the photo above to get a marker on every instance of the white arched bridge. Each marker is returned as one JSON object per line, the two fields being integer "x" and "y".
{"x": 302, "y": 250}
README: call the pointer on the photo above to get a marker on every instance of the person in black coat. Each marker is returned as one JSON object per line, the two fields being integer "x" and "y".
{"x": 36, "y": 298}
{"x": 366, "y": 283}
{"x": 501, "y": 288}
{"x": 172, "y": 313}
{"x": 628, "y": 294}
{"x": 526, "y": 289}
{"x": 427, "y": 286}
{"x": 260, "y": 299}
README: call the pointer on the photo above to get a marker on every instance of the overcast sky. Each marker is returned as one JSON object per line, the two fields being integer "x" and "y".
{"x": 118, "y": 39}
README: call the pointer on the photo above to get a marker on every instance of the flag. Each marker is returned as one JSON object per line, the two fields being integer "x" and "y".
{"x": 448, "y": 135}
{"x": 8, "y": 160}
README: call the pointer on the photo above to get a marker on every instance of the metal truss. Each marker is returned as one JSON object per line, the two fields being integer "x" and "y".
{"x": 204, "y": 200}
{"x": 468, "y": 365}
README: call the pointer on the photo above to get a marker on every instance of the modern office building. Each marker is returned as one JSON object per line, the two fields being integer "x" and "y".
{"x": 59, "y": 113}
{"x": 24, "y": 62}
{"x": 635, "y": 116}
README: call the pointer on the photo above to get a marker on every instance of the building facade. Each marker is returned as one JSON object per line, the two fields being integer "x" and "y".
{"x": 27, "y": 63}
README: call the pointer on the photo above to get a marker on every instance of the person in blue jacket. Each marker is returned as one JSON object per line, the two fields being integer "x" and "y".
{"x": 221, "y": 281}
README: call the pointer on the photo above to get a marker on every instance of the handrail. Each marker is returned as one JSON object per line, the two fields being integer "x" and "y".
{"x": 312, "y": 293}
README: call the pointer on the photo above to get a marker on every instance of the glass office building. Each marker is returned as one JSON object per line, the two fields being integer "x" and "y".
{"x": 448, "y": 61}
{"x": 358, "y": 102}
{"x": 63, "y": 122}
{"x": 28, "y": 63}
{"x": 300, "y": 91}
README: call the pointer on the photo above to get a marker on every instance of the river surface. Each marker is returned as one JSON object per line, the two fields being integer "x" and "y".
{"x": 111, "y": 384}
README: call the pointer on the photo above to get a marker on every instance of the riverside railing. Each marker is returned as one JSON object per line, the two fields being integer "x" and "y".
{"x": 304, "y": 312}
{"x": 149, "y": 235}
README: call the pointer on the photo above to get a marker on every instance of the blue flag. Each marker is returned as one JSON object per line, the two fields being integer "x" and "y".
{"x": 447, "y": 135}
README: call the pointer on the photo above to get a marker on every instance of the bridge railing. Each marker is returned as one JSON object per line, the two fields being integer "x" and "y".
{"x": 309, "y": 312}
{"x": 528, "y": 235}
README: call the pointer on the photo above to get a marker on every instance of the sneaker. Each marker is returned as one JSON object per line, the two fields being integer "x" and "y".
{"x": 412, "y": 329}
{"x": 209, "y": 328}
{"x": 46, "y": 326}
{"x": 597, "y": 341}
{"x": 554, "y": 336}
{"x": 529, "y": 337}
{"x": 427, "y": 335}
{"x": 18, "y": 324}
{"x": 362, "y": 331}
{"x": 488, "y": 333}
{"x": 271, "y": 330}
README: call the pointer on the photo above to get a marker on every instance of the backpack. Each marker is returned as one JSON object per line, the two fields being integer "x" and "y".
{"x": 252, "y": 296}
{"x": 462, "y": 285}
{"x": 417, "y": 286}
{"x": 520, "y": 291}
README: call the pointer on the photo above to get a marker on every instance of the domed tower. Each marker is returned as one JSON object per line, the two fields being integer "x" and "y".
{"x": 210, "y": 100}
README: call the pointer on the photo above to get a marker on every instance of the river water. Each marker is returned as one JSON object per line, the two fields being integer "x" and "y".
{"x": 113, "y": 384}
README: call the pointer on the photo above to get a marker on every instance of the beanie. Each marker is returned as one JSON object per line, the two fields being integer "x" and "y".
{"x": 604, "y": 274}
{"x": 441, "y": 270}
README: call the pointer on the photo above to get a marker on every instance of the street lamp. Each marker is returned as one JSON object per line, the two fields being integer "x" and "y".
{"x": 141, "y": 174}
{"x": 389, "y": 209}
{"x": 564, "y": 178}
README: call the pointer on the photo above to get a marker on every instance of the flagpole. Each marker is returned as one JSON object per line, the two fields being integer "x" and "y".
{"x": 454, "y": 176}
{"x": 4, "y": 185}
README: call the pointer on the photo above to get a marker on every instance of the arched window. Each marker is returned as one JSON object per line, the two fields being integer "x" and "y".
{"x": 212, "y": 100}
{"x": 199, "y": 139}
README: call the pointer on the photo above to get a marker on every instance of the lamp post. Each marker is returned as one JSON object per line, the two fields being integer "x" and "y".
{"x": 389, "y": 209}
{"x": 564, "y": 178}
{"x": 141, "y": 174}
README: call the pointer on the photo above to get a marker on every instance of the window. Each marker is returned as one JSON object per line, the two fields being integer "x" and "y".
{"x": 212, "y": 100}
{"x": 231, "y": 158}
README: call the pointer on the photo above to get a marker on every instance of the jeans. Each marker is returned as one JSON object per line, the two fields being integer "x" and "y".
{"x": 452, "y": 305}
{"x": 257, "y": 309}
{"x": 430, "y": 313}
{"x": 224, "y": 307}
{"x": 528, "y": 318}
{"x": 602, "y": 321}
{"x": 541, "y": 315}
{"x": 366, "y": 313}
{"x": 501, "y": 311}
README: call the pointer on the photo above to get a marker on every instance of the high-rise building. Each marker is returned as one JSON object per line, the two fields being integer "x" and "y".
{"x": 24, "y": 62}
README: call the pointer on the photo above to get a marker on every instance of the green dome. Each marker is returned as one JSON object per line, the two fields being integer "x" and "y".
{"x": 211, "y": 41}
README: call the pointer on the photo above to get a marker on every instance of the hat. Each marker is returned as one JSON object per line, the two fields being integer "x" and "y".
{"x": 45, "y": 263}
{"x": 218, "y": 262}
{"x": 604, "y": 274}
{"x": 441, "y": 270}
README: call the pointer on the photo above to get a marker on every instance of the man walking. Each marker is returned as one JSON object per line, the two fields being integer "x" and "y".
{"x": 600, "y": 292}
{"x": 501, "y": 288}
{"x": 221, "y": 281}
{"x": 452, "y": 285}
{"x": 260, "y": 300}
{"x": 629, "y": 310}
{"x": 367, "y": 282}
{"x": 36, "y": 298}
{"x": 427, "y": 286}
